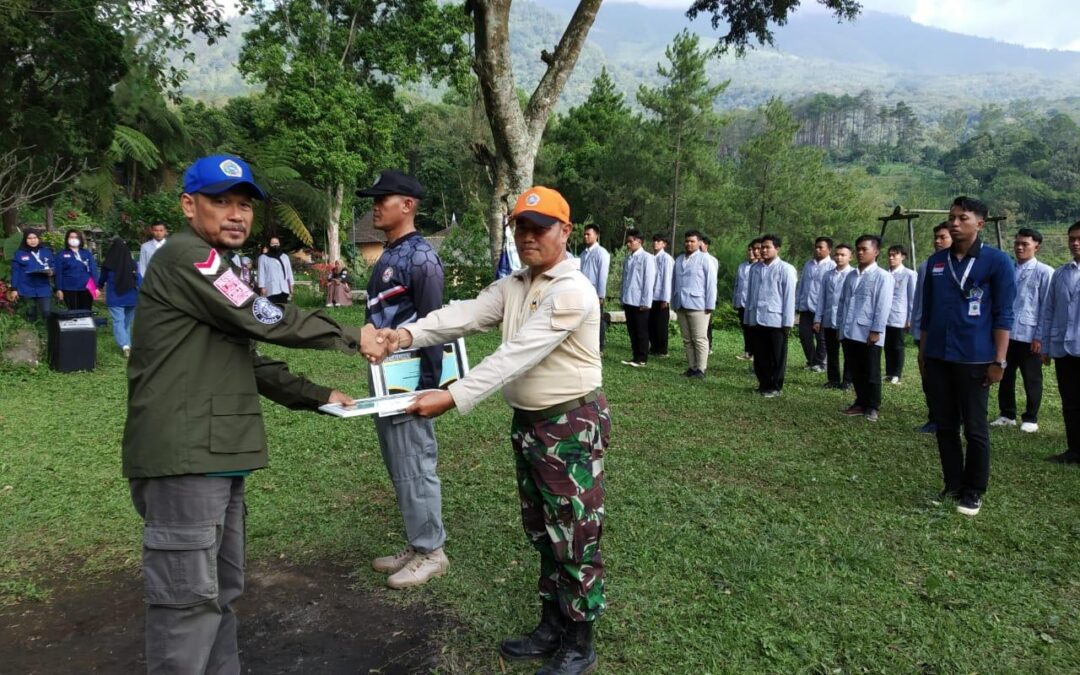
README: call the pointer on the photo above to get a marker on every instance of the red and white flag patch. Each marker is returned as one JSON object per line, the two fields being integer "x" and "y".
{"x": 231, "y": 287}
{"x": 209, "y": 267}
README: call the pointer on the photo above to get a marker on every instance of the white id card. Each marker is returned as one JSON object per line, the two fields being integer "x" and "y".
{"x": 974, "y": 308}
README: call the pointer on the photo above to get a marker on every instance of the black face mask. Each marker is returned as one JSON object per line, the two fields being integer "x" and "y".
{"x": 274, "y": 250}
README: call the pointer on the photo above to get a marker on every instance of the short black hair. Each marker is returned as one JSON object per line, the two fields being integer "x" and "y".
{"x": 661, "y": 237}
{"x": 1035, "y": 235}
{"x": 840, "y": 246}
{"x": 776, "y": 241}
{"x": 594, "y": 227}
{"x": 943, "y": 225}
{"x": 898, "y": 248}
{"x": 705, "y": 238}
{"x": 755, "y": 242}
{"x": 827, "y": 240}
{"x": 634, "y": 233}
{"x": 692, "y": 233}
{"x": 1074, "y": 226}
{"x": 872, "y": 238}
{"x": 974, "y": 205}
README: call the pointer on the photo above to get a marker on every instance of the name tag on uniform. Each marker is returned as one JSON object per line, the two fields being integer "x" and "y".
{"x": 975, "y": 308}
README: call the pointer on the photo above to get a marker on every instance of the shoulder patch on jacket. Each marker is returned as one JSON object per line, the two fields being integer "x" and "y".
{"x": 209, "y": 267}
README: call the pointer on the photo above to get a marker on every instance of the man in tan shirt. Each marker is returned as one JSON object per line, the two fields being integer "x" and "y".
{"x": 548, "y": 368}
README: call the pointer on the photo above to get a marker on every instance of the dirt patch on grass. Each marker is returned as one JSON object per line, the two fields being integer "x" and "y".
{"x": 292, "y": 620}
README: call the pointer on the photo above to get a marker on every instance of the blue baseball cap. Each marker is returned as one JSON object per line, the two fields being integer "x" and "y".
{"x": 219, "y": 173}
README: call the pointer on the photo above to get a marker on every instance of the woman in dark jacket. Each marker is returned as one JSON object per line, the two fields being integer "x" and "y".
{"x": 76, "y": 273}
{"x": 120, "y": 279}
{"x": 31, "y": 276}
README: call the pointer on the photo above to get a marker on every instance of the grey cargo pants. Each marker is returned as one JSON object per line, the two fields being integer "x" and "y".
{"x": 411, "y": 455}
{"x": 193, "y": 569}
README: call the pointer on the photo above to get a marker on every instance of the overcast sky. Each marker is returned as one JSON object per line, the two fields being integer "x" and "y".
{"x": 1034, "y": 23}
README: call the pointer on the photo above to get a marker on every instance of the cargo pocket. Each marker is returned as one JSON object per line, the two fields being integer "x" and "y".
{"x": 236, "y": 423}
{"x": 180, "y": 564}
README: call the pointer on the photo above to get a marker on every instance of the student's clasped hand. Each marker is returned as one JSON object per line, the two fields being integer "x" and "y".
{"x": 377, "y": 343}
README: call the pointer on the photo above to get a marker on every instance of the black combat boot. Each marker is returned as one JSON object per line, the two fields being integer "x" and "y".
{"x": 542, "y": 642}
{"x": 576, "y": 656}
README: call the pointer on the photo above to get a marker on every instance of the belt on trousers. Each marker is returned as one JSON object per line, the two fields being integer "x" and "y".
{"x": 525, "y": 417}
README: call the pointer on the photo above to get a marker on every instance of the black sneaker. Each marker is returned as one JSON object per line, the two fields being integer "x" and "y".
{"x": 696, "y": 375}
{"x": 1067, "y": 457}
{"x": 688, "y": 372}
{"x": 970, "y": 503}
{"x": 928, "y": 428}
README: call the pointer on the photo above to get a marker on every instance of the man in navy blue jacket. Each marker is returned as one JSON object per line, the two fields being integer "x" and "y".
{"x": 966, "y": 319}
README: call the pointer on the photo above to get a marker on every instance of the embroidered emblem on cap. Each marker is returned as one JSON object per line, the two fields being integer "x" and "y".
{"x": 266, "y": 311}
{"x": 532, "y": 200}
{"x": 231, "y": 169}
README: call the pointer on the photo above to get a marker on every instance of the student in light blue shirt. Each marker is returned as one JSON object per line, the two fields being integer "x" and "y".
{"x": 904, "y": 282}
{"x": 1060, "y": 338}
{"x": 806, "y": 303}
{"x": 693, "y": 296}
{"x": 595, "y": 264}
{"x": 660, "y": 312}
{"x": 738, "y": 296}
{"x": 825, "y": 318}
{"x": 1025, "y": 348}
{"x": 862, "y": 315}
{"x": 770, "y": 313}
{"x": 638, "y": 281}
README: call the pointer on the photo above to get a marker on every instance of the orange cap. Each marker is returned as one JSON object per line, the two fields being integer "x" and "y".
{"x": 541, "y": 205}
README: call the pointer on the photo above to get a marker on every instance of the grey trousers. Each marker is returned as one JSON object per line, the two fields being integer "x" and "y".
{"x": 411, "y": 455}
{"x": 193, "y": 569}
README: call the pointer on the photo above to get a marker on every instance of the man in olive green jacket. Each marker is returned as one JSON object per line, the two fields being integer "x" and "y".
{"x": 194, "y": 427}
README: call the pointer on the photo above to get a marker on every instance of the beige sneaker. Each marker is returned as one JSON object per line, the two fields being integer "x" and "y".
{"x": 388, "y": 564}
{"x": 420, "y": 568}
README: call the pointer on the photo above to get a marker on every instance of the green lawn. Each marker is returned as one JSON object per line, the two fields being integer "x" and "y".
{"x": 743, "y": 535}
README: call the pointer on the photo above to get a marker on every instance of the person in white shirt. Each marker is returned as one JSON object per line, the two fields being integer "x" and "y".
{"x": 825, "y": 318}
{"x": 806, "y": 303}
{"x": 1025, "y": 347}
{"x": 158, "y": 233}
{"x": 660, "y": 313}
{"x": 863, "y": 312}
{"x": 770, "y": 313}
{"x": 275, "y": 273}
{"x": 638, "y": 280}
{"x": 904, "y": 282}
{"x": 738, "y": 295}
{"x": 715, "y": 264}
{"x": 693, "y": 296}
{"x": 1060, "y": 337}
{"x": 595, "y": 265}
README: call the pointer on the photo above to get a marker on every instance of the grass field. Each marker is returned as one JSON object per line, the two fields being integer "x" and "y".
{"x": 743, "y": 535}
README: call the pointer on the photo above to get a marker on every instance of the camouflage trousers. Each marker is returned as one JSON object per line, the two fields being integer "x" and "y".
{"x": 560, "y": 476}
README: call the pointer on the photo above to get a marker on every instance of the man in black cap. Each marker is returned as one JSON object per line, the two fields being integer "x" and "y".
{"x": 406, "y": 284}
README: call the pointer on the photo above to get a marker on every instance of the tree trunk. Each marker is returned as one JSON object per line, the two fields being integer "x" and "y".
{"x": 675, "y": 188}
{"x": 517, "y": 132}
{"x": 333, "y": 222}
{"x": 11, "y": 221}
{"x": 50, "y": 218}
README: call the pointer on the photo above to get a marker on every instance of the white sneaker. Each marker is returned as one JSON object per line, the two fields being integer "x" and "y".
{"x": 894, "y": 380}
{"x": 1029, "y": 427}
{"x": 127, "y": 354}
{"x": 1003, "y": 422}
{"x": 421, "y": 568}
{"x": 329, "y": 304}
{"x": 388, "y": 564}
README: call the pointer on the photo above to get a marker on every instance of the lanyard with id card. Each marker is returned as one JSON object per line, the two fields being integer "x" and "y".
{"x": 974, "y": 294}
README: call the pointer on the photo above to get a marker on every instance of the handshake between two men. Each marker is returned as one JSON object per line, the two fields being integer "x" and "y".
{"x": 378, "y": 343}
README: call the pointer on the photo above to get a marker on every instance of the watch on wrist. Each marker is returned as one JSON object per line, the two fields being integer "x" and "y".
{"x": 1000, "y": 364}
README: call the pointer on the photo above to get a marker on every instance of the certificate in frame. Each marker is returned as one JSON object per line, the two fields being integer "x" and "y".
{"x": 400, "y": 372}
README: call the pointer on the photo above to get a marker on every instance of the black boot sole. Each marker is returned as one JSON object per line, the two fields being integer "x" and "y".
{"x": 520, "y": 658}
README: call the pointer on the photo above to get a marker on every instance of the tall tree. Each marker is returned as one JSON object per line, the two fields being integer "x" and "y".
{"x": 517, "y": 131}
{"x": 684, "y": 117}
{"x": 330, "y": 67}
